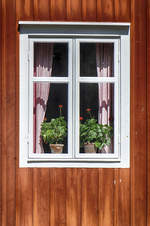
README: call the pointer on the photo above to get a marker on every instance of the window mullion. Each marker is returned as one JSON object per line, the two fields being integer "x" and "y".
{"x": 70, "y": 109}
{"x": 75, "y": 99}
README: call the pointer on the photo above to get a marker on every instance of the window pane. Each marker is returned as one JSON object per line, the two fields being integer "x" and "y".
{"x": 96, "y": 59}
{"x": 96, "y": 117}
{"x": 50, "y": 115}
{"x": 50, "y": 59}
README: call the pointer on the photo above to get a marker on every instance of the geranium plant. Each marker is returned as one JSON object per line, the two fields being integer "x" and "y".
{"x": 55, "y": 131}
{"x": 93, "y": 132}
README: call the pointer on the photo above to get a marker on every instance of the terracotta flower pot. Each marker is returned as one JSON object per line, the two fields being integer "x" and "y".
{"x": 90, "y": 148}
{"x": 56, "y": 148}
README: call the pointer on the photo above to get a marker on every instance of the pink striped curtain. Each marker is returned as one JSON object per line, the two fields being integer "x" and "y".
{"x": 104, "y": 63}
{"x": 42, "y": 68}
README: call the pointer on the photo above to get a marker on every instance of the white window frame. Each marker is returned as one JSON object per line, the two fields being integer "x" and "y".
{"x": 117, "y": 33}
{"x": 60, "y": 80}
{"x": 114, "y": 80}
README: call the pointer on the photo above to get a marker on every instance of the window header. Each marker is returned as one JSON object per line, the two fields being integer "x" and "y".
{"x": 74, "y": 28}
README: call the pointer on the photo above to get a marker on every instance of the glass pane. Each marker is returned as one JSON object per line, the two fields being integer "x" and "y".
{"x": 50, "y": 118}
{"x": 50, "y": 59}
{"x": 96, "y": 118}
{"x": 96, "y": 59}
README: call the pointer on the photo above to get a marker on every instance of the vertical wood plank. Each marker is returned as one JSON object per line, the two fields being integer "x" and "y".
{"x": 90, "y": 196}
{"x": 24, "y": 191}
{"x": 123, "y": 197}
{"x": 24, "y": 10}
{"x": 116, "y": 197}
{"x": 138, "y": 114}
{"x": 0, "y": 145}
{"x": 106, "y": 197}
{"x": 107, "y": 11}
{"x": 3, "y": 82}
{"x": 8, "y": 105}
{"x": 99, "y": 10}
{"x": 58, "y": 10}
{"x": 73, "y": 197}
{"x": 24, "y": 177}
{"x": 58, "y": 197}
{"x": 89, "y": 10}
{"x": 41, "y": 10}
{"x": 41, "y": 204}
{"x": 74, "y": 12}
{"x": 148, "y": 112}
{"x": 122, "y": 10}
{"x": 0, "y": 114}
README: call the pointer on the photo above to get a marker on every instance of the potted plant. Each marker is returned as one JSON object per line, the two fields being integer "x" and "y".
{"x": 94, "y": 136}
{"x": 55, "y": 132}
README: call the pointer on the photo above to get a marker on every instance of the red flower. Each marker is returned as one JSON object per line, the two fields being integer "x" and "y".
{"x": 60, "y": 106}
{"x": 88, "y": 109}
{"x": 81, "y": 118}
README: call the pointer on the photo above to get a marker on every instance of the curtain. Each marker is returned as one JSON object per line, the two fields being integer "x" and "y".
{"x": 104, "y": 64}
{"x": 43, "y": 54}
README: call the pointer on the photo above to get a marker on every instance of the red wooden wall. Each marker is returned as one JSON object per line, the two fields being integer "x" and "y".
{"x": 75, "y": 197}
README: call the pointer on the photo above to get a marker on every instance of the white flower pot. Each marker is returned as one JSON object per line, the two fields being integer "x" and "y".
{"x": 90, "y": 148}
{"x": 56, "y": 148}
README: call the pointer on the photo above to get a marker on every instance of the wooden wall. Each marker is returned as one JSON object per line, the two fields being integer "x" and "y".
{"x": 75, "y": 197}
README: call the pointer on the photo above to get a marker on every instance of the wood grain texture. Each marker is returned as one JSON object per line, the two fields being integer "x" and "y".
{"x": 148, "y": 112}
{"x": 116, "y": 197}
{"x": 41, "y": 197}
{"x": 42, "y": 10}
{"x": 74, "y": 10}
{"x": 73, "y": 197}
{"x": 58, "y": 197}
{"x": 106, "y": 201}
{"x": 24, "y": 177}
{"x": 1, "y": 114}
{"x": 24, "y": 10}
{"x": 121, "y": 197}
{"x": 122, "y": 10}
{"x": 24, "y": 198}
{"x": 108, "y": 10}
{"x": 124, "y": 197}
{"x": 3, "y": 107}
{"x": 8, "y": 109}
{"x": 90, "y": 187}
{"x": 89, "y": 10}
{"x": 138, "y": 114}
{"x": 58, "y": 10}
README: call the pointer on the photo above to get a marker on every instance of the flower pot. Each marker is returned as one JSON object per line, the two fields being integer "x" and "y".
{"x": 56, "y": 148}
{"x": 89, "y": 148}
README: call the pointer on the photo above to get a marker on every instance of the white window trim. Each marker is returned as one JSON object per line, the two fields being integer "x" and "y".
{"x": 114, "y": 80}
{"x": 66, "y": 80}
{"x": 122, "y": 159}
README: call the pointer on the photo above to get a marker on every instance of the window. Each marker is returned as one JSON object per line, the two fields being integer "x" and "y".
{"x": 74, "y": 94}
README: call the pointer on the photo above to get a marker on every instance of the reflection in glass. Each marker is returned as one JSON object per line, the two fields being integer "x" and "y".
{"x": 96, "y": 117}
{"x": 50, "y": 59}
{"x": 50, "y": 117}
{"x": 96, "y": 59}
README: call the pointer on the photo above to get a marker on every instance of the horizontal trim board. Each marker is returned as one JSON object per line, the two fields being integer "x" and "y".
{"x": 33, "y": 27}
{"x": 73, "y": 23}
{"x": 88, "y": 36}
{"x": 82, "y": 157}
{"x": 75, "y": 165}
